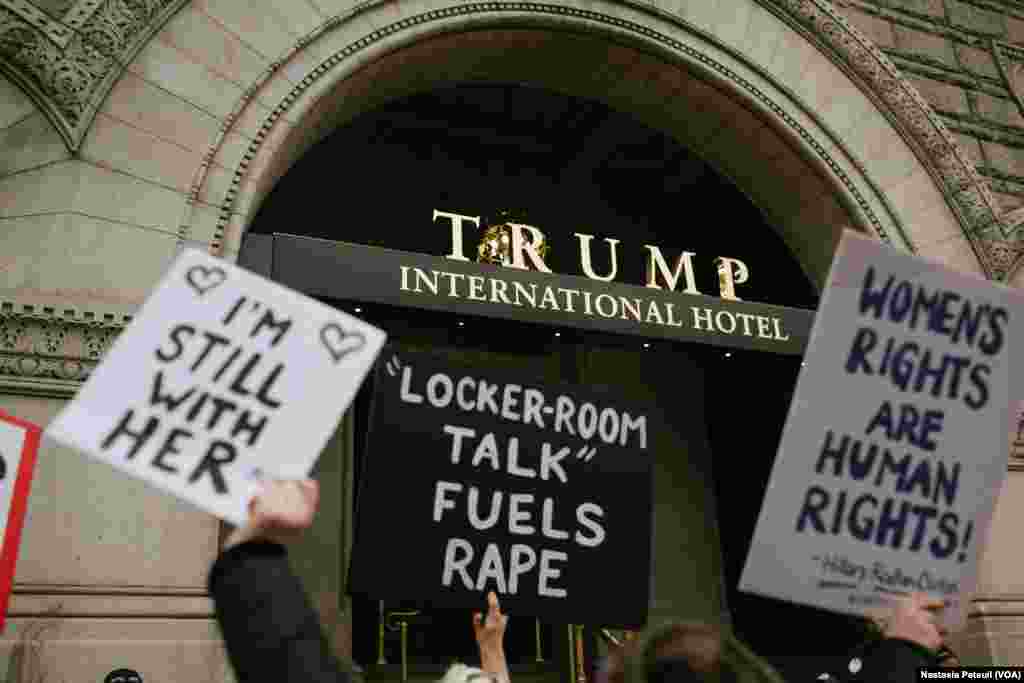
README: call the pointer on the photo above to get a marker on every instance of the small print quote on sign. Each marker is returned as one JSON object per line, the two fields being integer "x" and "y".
{"x": 222, "y": 379}
{"x": 479, "y": 480}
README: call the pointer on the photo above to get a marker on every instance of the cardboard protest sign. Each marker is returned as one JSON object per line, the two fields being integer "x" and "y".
{"x": 19, "y": 444}
{"x": 479, "y": 480}
{"x": 223, "y": 378}
{"x": 895, "y": 445}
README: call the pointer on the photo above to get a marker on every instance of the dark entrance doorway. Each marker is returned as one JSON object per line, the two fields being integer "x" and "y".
{"x": 568, "y": 165}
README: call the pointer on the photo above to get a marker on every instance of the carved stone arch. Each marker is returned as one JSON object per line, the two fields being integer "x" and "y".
{"x": 66, "y": 56}
{"x": 904, "y": 180}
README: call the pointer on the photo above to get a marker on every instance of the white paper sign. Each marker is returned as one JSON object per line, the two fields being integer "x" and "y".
{"x": 895, "y": 445}
{"x": 223, "y": 378}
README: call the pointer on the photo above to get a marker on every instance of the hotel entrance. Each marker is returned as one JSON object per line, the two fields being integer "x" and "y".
{"x": 600, "y": 189}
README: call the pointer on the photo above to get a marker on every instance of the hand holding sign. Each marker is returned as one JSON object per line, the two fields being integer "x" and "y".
{"x": 221, "y": 379}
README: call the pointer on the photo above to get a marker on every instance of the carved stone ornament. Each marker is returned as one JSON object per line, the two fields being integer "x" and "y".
{"x": 46, "y": 353}
{"x": 68, "y": 63}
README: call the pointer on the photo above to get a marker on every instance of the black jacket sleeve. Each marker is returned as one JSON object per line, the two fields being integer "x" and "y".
{"x": 894, "y": 661}
{"x": 271, "y": 630}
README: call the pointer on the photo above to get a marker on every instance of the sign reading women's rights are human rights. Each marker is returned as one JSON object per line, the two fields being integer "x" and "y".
{"x": 221, "y": 380}
{"x": 895, "y": 447}
{"x": 478, "y": 479}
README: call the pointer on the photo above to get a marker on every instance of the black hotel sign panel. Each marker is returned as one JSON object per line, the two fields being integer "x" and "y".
{"x": 339, "y": 270}
{"x": 478, "y": 479}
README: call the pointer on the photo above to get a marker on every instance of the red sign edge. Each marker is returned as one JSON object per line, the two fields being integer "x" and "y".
{"x": 19, "y": 504}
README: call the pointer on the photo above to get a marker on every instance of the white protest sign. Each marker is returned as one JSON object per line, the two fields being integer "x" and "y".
{"x": 19, "y": 444}
{"x": 221, "y": 379}
{"x": 895, "y": 445}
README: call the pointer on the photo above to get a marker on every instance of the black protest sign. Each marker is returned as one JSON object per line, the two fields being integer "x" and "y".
{"x": 478, "y": 479}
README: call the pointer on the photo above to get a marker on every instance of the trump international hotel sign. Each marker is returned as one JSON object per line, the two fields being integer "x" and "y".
{"x": 511, "y": 280}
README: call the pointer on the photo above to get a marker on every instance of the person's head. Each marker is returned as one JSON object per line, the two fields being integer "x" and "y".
{"x": 460, "y": 673}
{"x": 685, "y": 651}
{"x": 123, "y": 676}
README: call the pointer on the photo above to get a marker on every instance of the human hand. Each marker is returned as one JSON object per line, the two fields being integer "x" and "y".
{"x": 490, "y": 632}
{"x": 490, "y": 637}
{"x": 279, "y": 512}
{"x": 913, "y": 619}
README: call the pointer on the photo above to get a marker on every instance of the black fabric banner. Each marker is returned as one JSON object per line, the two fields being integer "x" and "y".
{"x": 480, "y": 480}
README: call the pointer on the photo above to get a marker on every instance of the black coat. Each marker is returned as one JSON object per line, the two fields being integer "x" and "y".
{"x": 271, "y": 630}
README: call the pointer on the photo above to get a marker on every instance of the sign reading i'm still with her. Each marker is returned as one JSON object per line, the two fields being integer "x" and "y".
{"x": 222, "y": 379}
{"x": 896, "y": 443}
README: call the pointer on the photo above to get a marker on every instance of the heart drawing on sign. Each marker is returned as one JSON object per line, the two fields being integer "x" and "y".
{"x": 340, "y": 343}
{"x": 203, "y": 279}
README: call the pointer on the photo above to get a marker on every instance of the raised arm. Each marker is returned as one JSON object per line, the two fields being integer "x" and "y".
{"x": 271, "y": 630}
{"x": 490, "y": 638}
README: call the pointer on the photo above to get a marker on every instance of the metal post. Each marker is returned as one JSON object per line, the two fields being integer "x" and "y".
{"x": 405, "y": 650}
{"x": 581, "y": 671}
{"x": 380, "y": 636}
{"x": 539, "y": 657}
{"x": 572, "y": 654}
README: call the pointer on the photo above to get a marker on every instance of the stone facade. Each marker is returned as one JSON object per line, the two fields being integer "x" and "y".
{"x": 131, "y": 127}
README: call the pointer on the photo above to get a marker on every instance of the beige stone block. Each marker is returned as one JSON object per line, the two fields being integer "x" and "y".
{"x": 249, "y": 121}
{"x": 70, "y": 252}
{"x": 216, "y": 185}
{"x": 931, "y": 45}
{"x": 161, "y": 113}
{"x": 14, "y": 103}
{"x": 888, "y": 158}
{"x": 270, "y": 28}
{"x": 942, "y": 96}
{"x": 791, "y": 58}
{"x": 30, "y": 143}
{"x": 51, "y": 188}
{"x": 177, "y": 72}
{"x": 202, "y": 222}
{"x": 732, "y": 24}
{"x": 233, "y": 232}
{"x": 55, "y": 649}
{"x": 331, "y": 8}
{"x": 976, "y": 19}
{"x": 118, "y": 196}
{"x": 764, "y": 33}
{"x": 999, "y": 109}
{"x": 1006, "y": 159}
{"x": 972, "y": 146}
{"x": 999, "y": 570}
{"x": 978, "y": 61}
{"x": 1014, "y": 29}
{"x": 879, "y": 30}
{"x": 90, "y": 526}
{"x": 932, "y": 8}
{"x": 207, "y": 42}
{"x": 115, "y": 145}
{"x": 955, "y": 253}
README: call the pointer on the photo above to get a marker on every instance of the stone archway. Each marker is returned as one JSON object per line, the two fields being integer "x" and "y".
{"x": 171, "y": 134}
{"x": 830, "y": 158}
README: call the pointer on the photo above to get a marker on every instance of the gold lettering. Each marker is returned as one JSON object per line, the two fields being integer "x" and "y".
{"x": 521, "y": 246}
{"x": 457, "y": 220}
{"x": 656, "y": 264}
{"x": 731, "y": 272}
{"x": 585, "y": 262}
